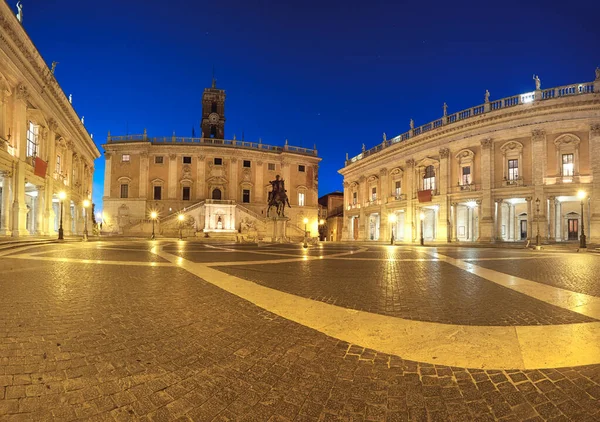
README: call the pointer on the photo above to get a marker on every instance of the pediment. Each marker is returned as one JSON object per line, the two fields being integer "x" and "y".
{"x": 217, "y": 180}
{"x": 428, "y": 161}
{"x": 567, "y": 139}
{"x": 512, "y": 146}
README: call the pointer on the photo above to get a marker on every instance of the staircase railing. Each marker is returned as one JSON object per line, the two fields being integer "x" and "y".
{"x": 184, "y": 210}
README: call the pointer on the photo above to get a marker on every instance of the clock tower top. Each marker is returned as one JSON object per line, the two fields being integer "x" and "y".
{"x": 213, "y": 112}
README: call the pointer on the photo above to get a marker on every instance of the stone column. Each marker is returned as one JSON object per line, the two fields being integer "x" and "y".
{"x": 384, "y": 225}
{"x": 486, "y": 221}
{"x": 499, "y": 219}
{"x": 144, "y": 165}
{"x": 69, "y": 165}
{"x": 552, "y": 227}
{"x": 5, "y": 223}
{"x": 259, "y": 182}
{"x": 479, "y": 217}
{"x": 443, "y": 229}
{"x": 172, "y": 182}
{"x": 529, "y": 217}
{"x": 409, "y": 219}
{"x": 107, "y": 173}
{"x": 511, "y": 222}
{"x": 362, "y": 223}
{"x": 201, "y": 178}
{"x": 5, "y": 92}
{"x": 19, "y": 208}
{"x": 454, "y": 221}
{"x": 539, "y": 165}
{"x": 39, "y": 211}
{"x": 593, "y": 230}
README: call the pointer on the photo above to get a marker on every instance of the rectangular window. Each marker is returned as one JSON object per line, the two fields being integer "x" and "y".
{"x": 466, "y": 175}
{"x": 246, "y": 196}
{"x": 218, "y": 161}
{"x": 58, "y": 163}
{"x": 301, "y": 199}
{"x": 158, "y": 159}
{"x": 125, "y": 158}
{"x": 247, "y": 163}
{"x": 301, "y": 169}
{"x": 186, "y": 193}
{"x": 187, "y": 160}
{"x": 32, "y": 139}
{"x": 124, "y": 191}
{"x": 354, "y": 198}
{"x": 429, "y": 178}
{"x": 271, "y": 166}
{"x": 398, "y": 189}
{"x": 373, "y": 194}
{"x": 157, "y": 193}
{"x": 513, "y": 169}
{"x": 567, "y": 165}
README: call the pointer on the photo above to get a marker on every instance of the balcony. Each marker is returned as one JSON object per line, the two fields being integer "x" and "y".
{"x": 471, "y": 187}
{"x": 396, "y": 197}
{"x": 513, "y": 182}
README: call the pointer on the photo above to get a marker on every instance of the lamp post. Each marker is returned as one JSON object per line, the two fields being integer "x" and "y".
{"x": 86, "y": 204}
{"x": 582, "y": 244}
{"x": 180, "y": 217}
{"x": 538, "y": 246}
{"x": 422, "y": 216}
{"x": 305, "y": 244}
{"x": 392, "y": 220}
{"x": 153, "y": 216}
{"x": 61, "y": 195}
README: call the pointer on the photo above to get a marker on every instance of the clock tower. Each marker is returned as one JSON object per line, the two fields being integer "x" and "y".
{"x": 213, "y": 112}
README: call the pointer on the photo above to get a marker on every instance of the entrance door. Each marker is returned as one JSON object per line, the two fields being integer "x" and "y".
{"x": 573, "y": 229}
{"x": 355, "y": 228}
{"x": 523, "y": 229}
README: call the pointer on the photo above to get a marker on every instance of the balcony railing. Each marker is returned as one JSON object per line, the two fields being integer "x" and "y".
{"x": 233, "y": 143}
{"x": 471, "y": 187}
{"x": 397, "y": 197}
{"x": 541, "y": 95}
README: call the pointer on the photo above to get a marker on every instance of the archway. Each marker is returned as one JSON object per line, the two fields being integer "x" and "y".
{"x": 216, "y": 194}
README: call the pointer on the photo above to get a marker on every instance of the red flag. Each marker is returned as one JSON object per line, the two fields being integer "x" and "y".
{"x": 39, "y": 167}
{"x": 425, "y": 195}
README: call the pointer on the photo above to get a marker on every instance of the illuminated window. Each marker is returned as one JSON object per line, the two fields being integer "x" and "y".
{"x": 246, "y": 196}
{"x": 58, "y": 163}
{"x": 125, "y": 158}
{"x": 398, "y": 188}
{"x": 513, "y": 169}
{"x": 567, "y": 165}
{"x": 124, "y": 191}
{"x": 271, "y": 166}
{"x": 301, "y": 199}
{"x": 373, "y": 194}
{"x": 429, "y": 178}
{"x": 354, "y": 198}
{"x": 466, "y": 175}
{"x": 32, "y": 139}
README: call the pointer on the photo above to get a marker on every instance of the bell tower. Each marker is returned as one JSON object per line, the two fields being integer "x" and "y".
{"x": 213, "y": 112}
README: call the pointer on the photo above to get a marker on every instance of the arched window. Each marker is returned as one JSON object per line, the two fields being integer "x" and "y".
{"x": 216, "y": 194}
{"x": 429, "y": 178}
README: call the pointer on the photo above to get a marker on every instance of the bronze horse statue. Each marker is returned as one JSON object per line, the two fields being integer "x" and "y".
{"x": 278, "y": 198}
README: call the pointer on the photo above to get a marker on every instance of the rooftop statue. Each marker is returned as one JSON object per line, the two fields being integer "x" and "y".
{"x": 20, "y": 11}
{"x": 538, "y": 83}
{"x": 487, "y": 96}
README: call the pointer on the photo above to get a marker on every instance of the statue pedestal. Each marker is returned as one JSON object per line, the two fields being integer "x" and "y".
{"x": 276, "y": 229}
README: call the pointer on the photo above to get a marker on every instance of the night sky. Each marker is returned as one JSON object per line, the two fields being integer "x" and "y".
{"x": 334, "y": 74}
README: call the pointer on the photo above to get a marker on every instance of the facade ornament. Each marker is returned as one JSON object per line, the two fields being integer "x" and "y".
{"x": 201, "y": 157}
{"x": 70, "y": 144}
{"x": 22, "y": 92}
{"x": 346, "y": 185}
{"x": 172, "y": 156}
{"x": 487, "y": 143}
{"x": 52, "y": 125}
{"x": 410, "y": 162}
{"x": 538, "y": 83}
{"x": 529, "y": 198}
{"x": 487, "y": 96}
{"x": 259, "y": 162}
{"x": 234, "y": 160}
{"x": 45, "y": 132}
{"x": 445, "y": 107}
{"x": 108, "y": 154}
{"x": 444, "y": 153}
{"x": 6, "y": 173}
{"x": 499, "y": 201}
{"x": 478, "y": 202}
{"x": 538, "y": 134}
{"x": 144, "y": 154}
{"x": 361, "y": 179}
{"x": 383, "y": 172}
{"x": 595, "y": 129}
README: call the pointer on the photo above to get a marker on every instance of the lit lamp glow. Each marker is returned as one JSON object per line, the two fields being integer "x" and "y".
{"x": 180, "y": 217}
{"x": 86, "y": 204}
{"x": 153, "y": 217}
{"x": 392, "y": 220}
{"x": 62, "y": 196}
{"x": 582, "y": 241}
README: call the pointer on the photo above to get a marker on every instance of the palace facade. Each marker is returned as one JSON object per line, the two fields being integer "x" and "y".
{"x": 505, "y": 170}
{"x": 44, "y": 146}
{"x": 220, "y": 186}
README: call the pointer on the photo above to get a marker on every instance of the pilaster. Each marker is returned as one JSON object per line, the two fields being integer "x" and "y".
{"x": 486, "y": 221}
{"x": 201, "y": 178}
{"x": 7, "y": 186}
{"x": 594, "y": 227}
{"x": 107, "y": 173}
{"x": 259, "y": 182}
{"x": 409, "y": 220}
{"x": 234, "y": 184}
{"x": 172, "y": 188}
{"x": 144, "y": 164}
{"x": 529, "y": 217}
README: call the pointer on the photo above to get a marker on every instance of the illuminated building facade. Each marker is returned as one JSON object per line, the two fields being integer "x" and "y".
{"x": 44, "y": 146}
{"x": 501, "y": 171}
{"x": 221, "y": 186}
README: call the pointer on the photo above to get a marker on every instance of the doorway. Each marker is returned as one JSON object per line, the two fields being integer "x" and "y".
{"x": 573, "y": 229}
{"x": 523, "y": 225}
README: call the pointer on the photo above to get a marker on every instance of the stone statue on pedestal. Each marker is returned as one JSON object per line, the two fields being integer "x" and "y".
{"x": 538, "y": 83}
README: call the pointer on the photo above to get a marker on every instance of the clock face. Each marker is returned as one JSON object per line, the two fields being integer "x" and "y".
{"x": 213, "y": 118}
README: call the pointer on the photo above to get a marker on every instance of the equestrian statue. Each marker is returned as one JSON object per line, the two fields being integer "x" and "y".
{"x": 278, "y": 197}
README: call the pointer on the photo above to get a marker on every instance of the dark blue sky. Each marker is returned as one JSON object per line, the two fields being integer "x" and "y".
{"x": 331, "y": 73}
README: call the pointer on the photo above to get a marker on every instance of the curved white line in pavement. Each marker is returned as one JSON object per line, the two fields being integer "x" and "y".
{"x": 489, "y": 347}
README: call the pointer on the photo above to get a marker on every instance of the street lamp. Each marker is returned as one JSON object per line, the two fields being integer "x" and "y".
{"x": 537, "y": 218}
{"x": 322, "y": 230}
{"x": 180, "y": 217}
{"x": 305, "y": 223}
{"x": 582, "y": 244}
{"x": 392, "y": 220}
{"x": 86, "y": 204}
{"x": 422, "y": 216}
{"x": 153, "y": 216}
{"x": 62, "y": 196}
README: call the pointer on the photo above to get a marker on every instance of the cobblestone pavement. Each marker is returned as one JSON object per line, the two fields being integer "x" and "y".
{"x": 125, "y": 341}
